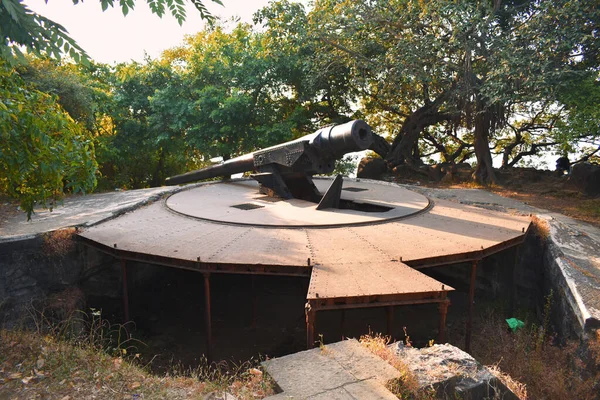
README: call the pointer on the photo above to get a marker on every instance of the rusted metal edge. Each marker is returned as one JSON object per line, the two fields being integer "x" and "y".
{"x": 337, "y": 303}
{"x": 430, "y": 205}
{"x": 200, "y": 266}
{"x": 469, "y": 256}
{"x": 320, "y": 307}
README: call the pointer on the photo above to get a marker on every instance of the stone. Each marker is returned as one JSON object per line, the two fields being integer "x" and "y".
{"x": 586, "y": 178}
{"x": 371, "y": 168}
{"x": 219, "y": 396}
{"x": 342, "y": 370}
{"x": 451, "y": 372}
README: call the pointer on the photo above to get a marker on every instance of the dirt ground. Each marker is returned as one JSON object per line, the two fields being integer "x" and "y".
{"x": 538, "y": 188}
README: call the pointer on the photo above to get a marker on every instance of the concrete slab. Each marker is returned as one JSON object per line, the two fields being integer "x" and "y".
{"x": 79, "y": 211}
{"x": 342, "y": 370}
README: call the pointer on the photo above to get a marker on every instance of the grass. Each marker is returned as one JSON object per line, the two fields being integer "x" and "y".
{"x": 406, "y": 386}
{"x": 58, "y": 361}
{"x": 541, "y": 228}
{"x": 531, "y": 364}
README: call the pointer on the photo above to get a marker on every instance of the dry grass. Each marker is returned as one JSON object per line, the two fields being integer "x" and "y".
{"x": 541, "y": 228}
{"x": 538, "y": 369}
{"x": 54, "y": 363}
{"x": 518, "y": 388}
{"x": 59, "y": 242}
{"x": 406, "y": 386}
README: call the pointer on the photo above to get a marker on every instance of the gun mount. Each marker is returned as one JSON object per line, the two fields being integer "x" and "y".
{"x": 286, "y": 170}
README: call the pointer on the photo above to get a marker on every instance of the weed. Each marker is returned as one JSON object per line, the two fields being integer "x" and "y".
{"x": 541, "y": 228}
{"x": 407, "y": 385}
{"x": 322, "y": 346}
{"x": 59, "y": 242}
{"x": 407, "y": 341}
{"x": 538, "y": 368}
{"x": 98, "y": 360}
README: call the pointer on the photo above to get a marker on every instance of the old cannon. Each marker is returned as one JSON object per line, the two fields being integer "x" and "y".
{"x": 286, "y": 170}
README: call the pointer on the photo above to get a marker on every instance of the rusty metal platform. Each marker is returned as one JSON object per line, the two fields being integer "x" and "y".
{"x": 354, "y": 258}
{"x": 444, "y": 233}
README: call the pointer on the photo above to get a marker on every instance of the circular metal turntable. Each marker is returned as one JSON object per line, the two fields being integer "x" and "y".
{"x": 240, "y": 203}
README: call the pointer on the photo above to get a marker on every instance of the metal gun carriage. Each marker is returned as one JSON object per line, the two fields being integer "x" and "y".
{"x": 286, "y": 170}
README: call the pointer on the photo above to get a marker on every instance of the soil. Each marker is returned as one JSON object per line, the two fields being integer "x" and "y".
{"x": 539, "y": 188}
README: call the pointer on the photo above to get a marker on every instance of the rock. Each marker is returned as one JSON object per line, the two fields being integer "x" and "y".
{"x": 450, "y": 173}
{"x": 371, "y": 168}
{"x": 219, "y": 396}
{"x": 435, "y": 172}
{"x": 586, "y": 178}
{"x": 451, "y": 372}
{"x": 463, "y": 167}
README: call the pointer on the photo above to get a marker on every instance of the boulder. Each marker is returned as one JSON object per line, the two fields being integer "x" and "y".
{"x": 435, "y": 172}
{"x": 455, "y": 172}
{"x": 371, "y": 168}
{"x": 586, "y": 178}
{"x": 451, "y": 372}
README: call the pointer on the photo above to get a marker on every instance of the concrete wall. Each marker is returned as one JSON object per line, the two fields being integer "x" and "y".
{"x": 34, "y": 267}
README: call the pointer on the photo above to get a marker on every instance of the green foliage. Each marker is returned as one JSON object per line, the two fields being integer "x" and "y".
{"x": 227, "y": 100}
{"x": 133, "y": 152}
{"x": 40, "y": 36}
{"x": 75, "y": 92}
{"x": 346, "y": 166}
{"x": 43, "y": 152}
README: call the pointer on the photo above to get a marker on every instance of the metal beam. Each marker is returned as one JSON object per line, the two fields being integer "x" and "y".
{"x": 512, "y": 283}
{"x": 470, "y": 305}
{"x": 389, "y": 312}
{"x": 253, "y": 294}
{"x": 208, "y": 317}
{"x": 343, "y": 324}
{"x": 311, "y": 321}
{"x": 125, "y": 291}
{"x": 443, "y": 307}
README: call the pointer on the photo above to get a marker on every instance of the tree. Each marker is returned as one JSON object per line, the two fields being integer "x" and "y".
{"x": 456, "y": 74}
{"x": 19, "y": 26}
{"x": 230, "y": 98}
{"x": 43, "y": 152}
{"x": 137, "y": 153}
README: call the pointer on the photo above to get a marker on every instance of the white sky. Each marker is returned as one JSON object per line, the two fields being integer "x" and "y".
{"x": 110, "y": 37}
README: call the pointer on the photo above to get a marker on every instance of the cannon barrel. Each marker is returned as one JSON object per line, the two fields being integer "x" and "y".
{"x": 330, "y": 143}
{"x": 233, "y": 166}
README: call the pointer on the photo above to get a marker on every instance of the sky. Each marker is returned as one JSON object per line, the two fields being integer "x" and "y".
{"x": 111, "y": 37}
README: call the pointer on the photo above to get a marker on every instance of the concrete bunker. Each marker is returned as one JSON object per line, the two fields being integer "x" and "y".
{"x": 349, "y": 264}
{"x": 35, "y": 266}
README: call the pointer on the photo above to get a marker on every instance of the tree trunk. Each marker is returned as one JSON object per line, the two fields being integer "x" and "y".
{"x": 403, "y": 147}
{"x": 484, "y": 173}
{"x": 156, "y": 177}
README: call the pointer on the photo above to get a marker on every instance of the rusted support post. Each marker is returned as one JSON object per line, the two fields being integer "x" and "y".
{"x": 443, "y": 307}
{"x": 470, "y": 305}
{"x": 389, "y": 311}
{"x": 311, "y": 319}
{"x": 512, "y": 283}
{"x": 125, "y": 291}
{"x": 208, "y": 317}
{"x": 343, "y": 324}
{"x": 253, "y": 301}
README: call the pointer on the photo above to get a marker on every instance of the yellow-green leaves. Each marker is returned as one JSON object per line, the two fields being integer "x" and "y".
{"x": 43, "y": 152}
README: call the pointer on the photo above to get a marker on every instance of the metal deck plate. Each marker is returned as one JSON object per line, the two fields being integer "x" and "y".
{"x": 364, "y": 279}
{"x": 371, "y": 259}
{"x": 221, "y": 203}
